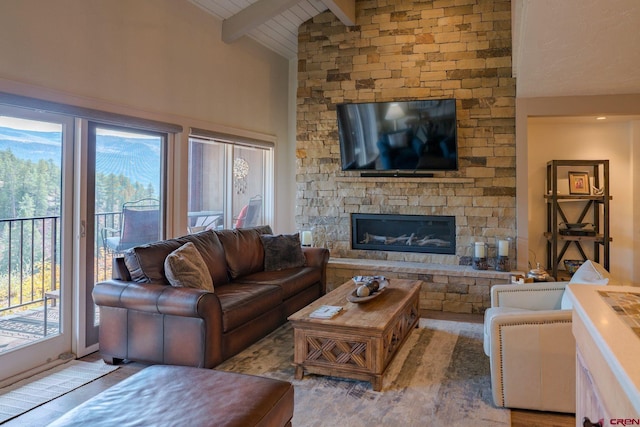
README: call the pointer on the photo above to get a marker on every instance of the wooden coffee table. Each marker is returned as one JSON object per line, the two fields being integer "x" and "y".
{"x": 359, "y": 342}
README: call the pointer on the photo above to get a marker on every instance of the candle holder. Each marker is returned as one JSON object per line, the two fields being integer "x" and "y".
{"x": 503, "y": 249}
{"x": 306, "y": 238}
{"x": 479, "y": 263}
{"x": 479, "y": 260}
{"x": 502, "y": 263}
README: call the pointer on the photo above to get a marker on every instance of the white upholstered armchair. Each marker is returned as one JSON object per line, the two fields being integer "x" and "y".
{"x": 531, "y": 347}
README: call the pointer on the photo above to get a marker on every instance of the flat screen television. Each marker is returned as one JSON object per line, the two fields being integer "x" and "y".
{"x": 404, "y": 136}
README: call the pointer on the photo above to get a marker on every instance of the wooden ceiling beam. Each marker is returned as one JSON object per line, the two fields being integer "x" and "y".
{"x": 253, "y": 16}
{"x": 345, "y": 10}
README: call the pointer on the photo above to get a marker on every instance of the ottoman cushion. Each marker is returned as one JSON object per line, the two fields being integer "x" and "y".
{"x": 185, "y": 396}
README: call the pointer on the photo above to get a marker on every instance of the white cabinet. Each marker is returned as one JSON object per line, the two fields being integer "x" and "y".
{"x": 607, "y": 368}
{"x": 589, "y": 403}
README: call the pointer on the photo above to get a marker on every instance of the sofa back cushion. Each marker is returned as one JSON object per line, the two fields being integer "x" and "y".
{"x": 146, "y": 263}
{"x": 243, "y": 250}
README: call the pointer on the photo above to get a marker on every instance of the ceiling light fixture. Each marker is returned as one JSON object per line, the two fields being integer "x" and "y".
{"x": 601, "y": 118}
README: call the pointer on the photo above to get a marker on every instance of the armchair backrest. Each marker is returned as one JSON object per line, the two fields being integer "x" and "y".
{"x": 530, "y": 296}
{"x": 140, "y": 222}
{"x": 253, "y": 212}
{"x": 250, "y": 213}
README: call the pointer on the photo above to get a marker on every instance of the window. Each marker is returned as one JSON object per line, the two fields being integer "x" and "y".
{"x": 230, "y": 183}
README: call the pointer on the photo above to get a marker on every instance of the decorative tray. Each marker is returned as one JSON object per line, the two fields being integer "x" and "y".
{"x": 363, "y": 280}
{"x": 353, "y": 297}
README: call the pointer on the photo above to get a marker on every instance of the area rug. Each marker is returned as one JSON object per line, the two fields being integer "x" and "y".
{"x": 34, "y": 391}
{"x": 439, "y": 377}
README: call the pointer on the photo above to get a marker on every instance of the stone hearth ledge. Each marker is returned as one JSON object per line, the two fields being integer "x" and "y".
{"x": 404, "y": 178}
{"x": 449, "y": 288}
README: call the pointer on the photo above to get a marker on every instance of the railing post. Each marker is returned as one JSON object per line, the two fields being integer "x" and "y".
{"x": 54, "y": 254}
{"x": 9, "y": 264}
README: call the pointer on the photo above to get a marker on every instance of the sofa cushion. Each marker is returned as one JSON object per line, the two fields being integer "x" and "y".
{"x": 185, "y": 268}
{"x": 146, "y": 263}
{"x": 282, "y": 251}
{"x": 292, "y": 280}
{"x": 242, "y": 302}
{"x": 243, "y": 251}
{"x": 589, "y": 273}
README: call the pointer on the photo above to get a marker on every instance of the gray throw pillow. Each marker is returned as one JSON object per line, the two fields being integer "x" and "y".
{"x": 185, "y": 268}
{"x": 282, "y": 251}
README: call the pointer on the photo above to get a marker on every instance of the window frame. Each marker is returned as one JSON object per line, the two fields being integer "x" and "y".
{"x": 230, "y": 142}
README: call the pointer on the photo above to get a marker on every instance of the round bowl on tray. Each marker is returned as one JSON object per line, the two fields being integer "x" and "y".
{"x": 376, "y": 285}
{"x": 353, "y": 296}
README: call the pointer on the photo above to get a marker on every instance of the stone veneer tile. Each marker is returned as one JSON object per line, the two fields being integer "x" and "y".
{"x": 410, "y": 50}
{"x": 458, "y": 288}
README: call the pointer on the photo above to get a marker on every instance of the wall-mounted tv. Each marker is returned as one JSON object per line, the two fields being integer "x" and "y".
{"x": 398, "y": 136}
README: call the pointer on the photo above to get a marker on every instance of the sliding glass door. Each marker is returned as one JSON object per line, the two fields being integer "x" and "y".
{"x": 36, "y": 238}
{"x": 124, "y": 172}
{"x": 74, "y": 195}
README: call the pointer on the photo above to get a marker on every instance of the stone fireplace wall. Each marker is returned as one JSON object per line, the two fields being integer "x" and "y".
{"x": 407, "y": 50}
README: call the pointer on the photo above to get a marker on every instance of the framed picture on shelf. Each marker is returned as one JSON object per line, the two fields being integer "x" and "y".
{"x": 579, "y": 183}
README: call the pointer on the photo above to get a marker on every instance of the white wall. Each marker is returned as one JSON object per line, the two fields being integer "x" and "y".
{"x": 583, "y": 139}
{"x": 575, "y": 47}
{"x": 635, "y": 164}
{"x": 159, "y": 59}
{"x": 583, "y": 109}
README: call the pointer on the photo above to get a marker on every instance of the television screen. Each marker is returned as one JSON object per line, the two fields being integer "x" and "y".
{"x": 398, "y": 136}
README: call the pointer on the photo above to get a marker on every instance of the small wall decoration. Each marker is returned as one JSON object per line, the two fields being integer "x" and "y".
{"x": 579, "y": 183}
{"x": 240, "y": 172}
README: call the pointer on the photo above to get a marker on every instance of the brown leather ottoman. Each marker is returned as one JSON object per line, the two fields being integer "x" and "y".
{"x": 184, "y": 396}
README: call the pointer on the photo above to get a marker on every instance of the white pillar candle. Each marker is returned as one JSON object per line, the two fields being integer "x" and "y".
{"x": 479, "y": 250}
{"x": 306, "y": 239}
{"x": 503, "y": 248}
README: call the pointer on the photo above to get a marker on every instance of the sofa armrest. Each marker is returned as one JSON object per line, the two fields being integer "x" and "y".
{"x": 160, "y": 299}
{"x": 532, "y": 356}
{"x": 318, "y": 257}
{"x": 530, "y": 296}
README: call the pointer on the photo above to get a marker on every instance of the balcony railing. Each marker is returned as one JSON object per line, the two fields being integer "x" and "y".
{"x": 30, "y": 258}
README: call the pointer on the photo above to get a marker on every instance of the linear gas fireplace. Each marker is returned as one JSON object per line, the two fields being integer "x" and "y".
{"x": 404, "y": 233}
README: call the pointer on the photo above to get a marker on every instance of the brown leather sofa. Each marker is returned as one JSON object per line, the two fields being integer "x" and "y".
{"x": 144, "y": 318}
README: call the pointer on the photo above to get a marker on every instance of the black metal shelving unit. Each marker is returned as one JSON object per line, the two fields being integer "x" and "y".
{"x": 595, "y": 210}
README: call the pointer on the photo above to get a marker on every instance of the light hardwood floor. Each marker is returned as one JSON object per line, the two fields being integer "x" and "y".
{"x": 50, "y": 411}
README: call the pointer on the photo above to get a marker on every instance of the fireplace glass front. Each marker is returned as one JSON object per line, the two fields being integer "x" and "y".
{"x": 404, "y": 233}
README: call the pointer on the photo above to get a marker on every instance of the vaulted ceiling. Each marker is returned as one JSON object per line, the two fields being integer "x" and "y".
{"x": 560, "y": 48}
{"x": 273, "y": 23}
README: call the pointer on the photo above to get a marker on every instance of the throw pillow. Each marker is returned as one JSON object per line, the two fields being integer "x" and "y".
{"x": 589, "y": 273}
{"x": 282, "y": 251}
{"x": 185, "y": 268}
